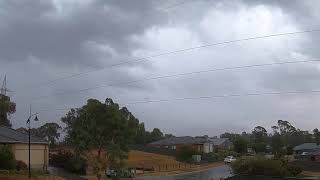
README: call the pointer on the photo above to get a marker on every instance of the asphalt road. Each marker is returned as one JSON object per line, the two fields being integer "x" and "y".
{"x": 211, "y": 174}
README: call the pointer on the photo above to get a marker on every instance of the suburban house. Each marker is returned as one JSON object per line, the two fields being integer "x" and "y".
{"x": 19, "y": 143}
{"x": 308, "y": 151}
{"x": 201, "y": 144}
{"x": 306, "y": 147}
{"x": 222, "y": 143}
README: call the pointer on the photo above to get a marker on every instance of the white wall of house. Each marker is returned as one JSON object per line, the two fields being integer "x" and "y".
{"x": 207, "y": 147}
{"x": 39, "y": 154}
{"x": 211, "y": 148}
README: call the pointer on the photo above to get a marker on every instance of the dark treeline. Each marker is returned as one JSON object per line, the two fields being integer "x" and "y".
{"x": 282, "y": 139}
{"x": 107, "y": 129}
{"x": 48, "y": 131}
{"x": 135, "y": 130}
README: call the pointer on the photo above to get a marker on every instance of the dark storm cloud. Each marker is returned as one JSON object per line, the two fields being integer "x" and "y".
{"x": 81, "y": 34}
{"x": 60, "y": 35}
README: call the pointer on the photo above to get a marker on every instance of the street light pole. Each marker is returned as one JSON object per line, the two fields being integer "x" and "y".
{"x": 29, "y": 133}
{"x": 29, "y": 154}
{"x": 29, "y": 144}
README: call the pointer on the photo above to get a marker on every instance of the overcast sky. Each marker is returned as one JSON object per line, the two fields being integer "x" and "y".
{"x": 44, "y": 40}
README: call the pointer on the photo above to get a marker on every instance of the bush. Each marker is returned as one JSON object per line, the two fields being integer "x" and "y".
{"x": 294, "y": 170}
{"x": 7, "y": 161}
{"x": 185, "y": 153}
{"x": 20, "y": 165}
{"x": 210, "y": 157}
{"x": 260, "y": 147}
{"x": 262, "y": 166}
{"x": 69, "y": 162}
{"x": 289, "y": 150}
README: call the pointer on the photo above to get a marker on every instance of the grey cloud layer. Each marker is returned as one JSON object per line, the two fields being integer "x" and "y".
{"x": 49, "y": 37}
{"x": 83, "y": 34}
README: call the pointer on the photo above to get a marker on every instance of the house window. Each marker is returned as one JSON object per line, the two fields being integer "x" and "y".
{"x": 210, "y": 147}
{"x": 200, "y": 148}
{"x": 173, "y": 147}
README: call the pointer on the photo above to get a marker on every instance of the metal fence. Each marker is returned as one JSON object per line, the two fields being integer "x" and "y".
{"x": 251, "y": 177}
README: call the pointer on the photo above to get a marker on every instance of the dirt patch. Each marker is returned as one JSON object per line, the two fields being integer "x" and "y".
{"x": 140, "y": 159}
{"x": 310, "y": 174}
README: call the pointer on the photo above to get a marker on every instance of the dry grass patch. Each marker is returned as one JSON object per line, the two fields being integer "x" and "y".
{"x": 146, "y": 160}
{"x": 310, "y": 174}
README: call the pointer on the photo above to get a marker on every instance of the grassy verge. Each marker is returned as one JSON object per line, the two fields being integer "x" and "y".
{"x": 34, "y": 172}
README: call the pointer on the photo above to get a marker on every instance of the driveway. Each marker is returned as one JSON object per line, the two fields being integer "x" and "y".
{"x": 211, "y": 174}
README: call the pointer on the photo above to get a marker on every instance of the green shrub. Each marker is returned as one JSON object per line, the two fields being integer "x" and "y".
{"x": 77, "y": 165}
{"x": 289, "y": 150}
{"x": 185, "y": 153}
{"x": 260, "y": 147}
{"x": 7, "y": 161}
{"x": 210, "y": 157}
{"x": 294, "y": 170}
{"x": 69, "y": 162}
{"x": 20, "y": 165}
{"x": 261, "y": 166}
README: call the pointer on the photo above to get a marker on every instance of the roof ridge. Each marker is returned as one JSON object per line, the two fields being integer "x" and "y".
{"x": 9, "y": 137}
{"x": 20, "y": 136}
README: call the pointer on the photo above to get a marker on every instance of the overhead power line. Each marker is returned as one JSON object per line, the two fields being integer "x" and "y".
{"x": 98, "y": 67}
{"x": 204, "y": 98}
{"x": 175, "y": 75}
{"x": 147, "y": 58}
{"x": 226, "y": 96}
{"x": 175, "y": 5}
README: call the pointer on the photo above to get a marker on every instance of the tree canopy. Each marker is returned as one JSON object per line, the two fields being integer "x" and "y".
{"x": 6, "y": 109}
{"x": 108, "y": 129}
{"x": 283, "y": 138}
{"x": 48, "y": 131}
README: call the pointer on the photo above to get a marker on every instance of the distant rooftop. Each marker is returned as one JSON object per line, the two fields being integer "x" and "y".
{"x": 9, "y": 135}
{"x": 218, "y": 141}
{"x": 189, "y": 140}
{"x": 307, "y": 146}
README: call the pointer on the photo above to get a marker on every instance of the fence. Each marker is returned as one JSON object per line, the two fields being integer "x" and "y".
{"x": 251, "y": 177}
{"x": 168, "y": 167}
{"x": 149, "y": 149}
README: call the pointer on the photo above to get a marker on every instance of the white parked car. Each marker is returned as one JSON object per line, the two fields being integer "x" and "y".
{"x": 304, "y": 153}
{"x": 229, "y": 159}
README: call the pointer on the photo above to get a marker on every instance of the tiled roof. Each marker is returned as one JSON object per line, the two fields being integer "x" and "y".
{"x": 218, "y": 141}
{"x": 307, "y": 146}
{"x": 8, "y": 135}
{"x": 177, "y": 140}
